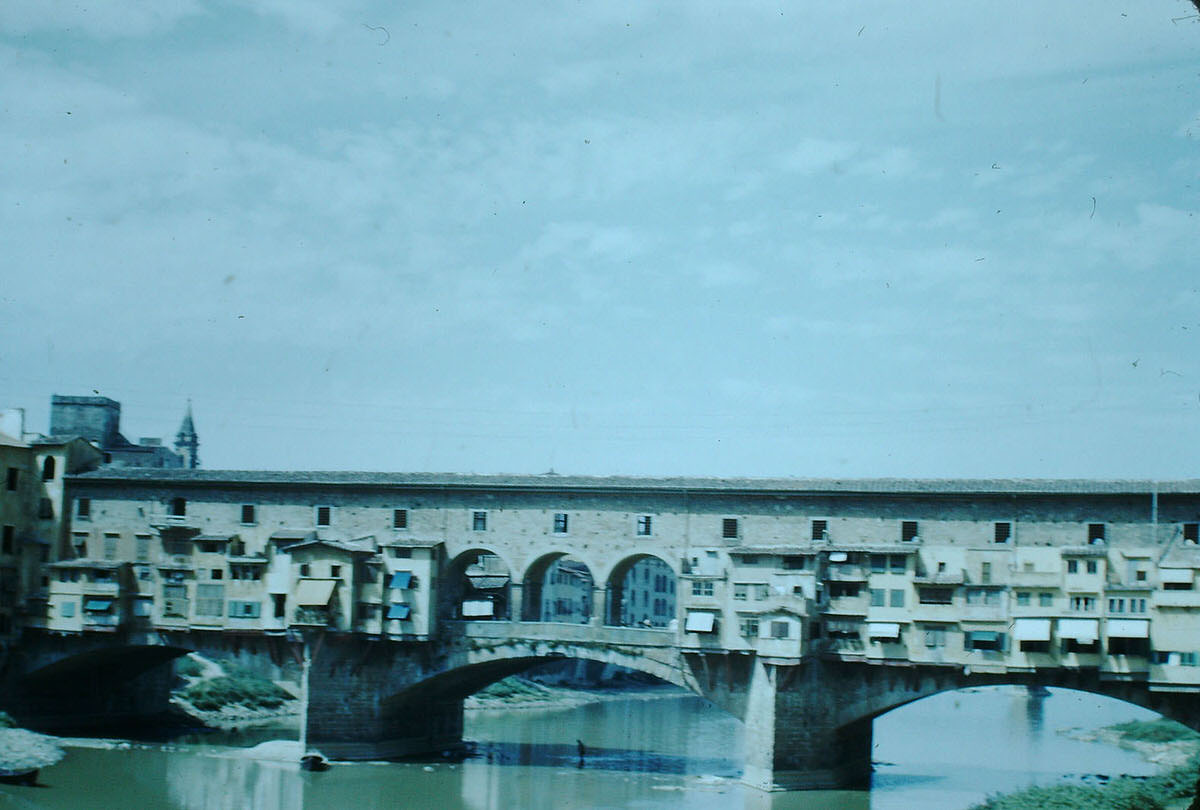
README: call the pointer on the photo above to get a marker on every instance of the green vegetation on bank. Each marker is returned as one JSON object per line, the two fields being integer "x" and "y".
{"x": 1151, "y": 793}
{"x": 514, "y": 689}
{"x": 1155, "y": 731}
{"x": 214, "y": 694}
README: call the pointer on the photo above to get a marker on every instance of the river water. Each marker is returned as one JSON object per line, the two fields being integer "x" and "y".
{"x": 672, "y": 751}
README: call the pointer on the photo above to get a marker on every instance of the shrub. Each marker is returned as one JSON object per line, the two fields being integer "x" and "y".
{"x": 253, "y": 693}
{"x": 187, "y": 667}
{"x": 1157, "y": 731}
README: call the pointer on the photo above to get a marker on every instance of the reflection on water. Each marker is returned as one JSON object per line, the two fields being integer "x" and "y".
{"x": 942, "y": 753}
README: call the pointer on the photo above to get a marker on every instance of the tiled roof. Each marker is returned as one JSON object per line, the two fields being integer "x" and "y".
{"x": 907, "y": 486}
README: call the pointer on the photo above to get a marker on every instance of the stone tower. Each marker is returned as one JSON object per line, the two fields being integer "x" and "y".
{"x": 187, "y": 444}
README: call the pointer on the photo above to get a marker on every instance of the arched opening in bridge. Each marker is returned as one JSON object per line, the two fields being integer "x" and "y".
{"x": 641, "y": 593}
{"x": 557, "y": 588}
{"x": 475, "y": 587}
{"x": 978, "y": 741}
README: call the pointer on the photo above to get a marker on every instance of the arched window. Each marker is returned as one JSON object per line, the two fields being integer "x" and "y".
{"x": 48, "y": 469}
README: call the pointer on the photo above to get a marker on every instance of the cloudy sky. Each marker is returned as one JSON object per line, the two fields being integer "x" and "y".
{"x": 943, "y": 239}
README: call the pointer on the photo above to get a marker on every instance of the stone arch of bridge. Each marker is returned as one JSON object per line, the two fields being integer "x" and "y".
{"x": 470, "y": 670}
{"x": 456, "y": 585}
{"x": 533, "y": 585}
{"x": 852, "y": 696}
{"x": 615, "y": 612}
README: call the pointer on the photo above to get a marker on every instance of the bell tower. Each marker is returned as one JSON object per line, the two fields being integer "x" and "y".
{"x": 187, "y": 444}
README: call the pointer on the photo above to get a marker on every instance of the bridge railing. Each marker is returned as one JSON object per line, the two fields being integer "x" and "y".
{"x": 556, "y": 631}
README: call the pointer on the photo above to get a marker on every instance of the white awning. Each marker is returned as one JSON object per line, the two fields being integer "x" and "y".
{"x": 315, "y": 592}
{"x": 838, "y": 556}
{"x": 883, "y": 630}
{"x": 700, "y": 621}
{"x": 1085, "y": 631}
{"x": 477, "y": 608}
{"x": 1128, "y": 628}
{"x": 1176, "y": 576}
{"x": 1032, "y": 630}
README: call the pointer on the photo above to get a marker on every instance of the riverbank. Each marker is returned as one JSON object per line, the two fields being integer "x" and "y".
{"x": 222, "y": 696}
{"x": 519, "y": 694}
{"x": 1164, "y": 742}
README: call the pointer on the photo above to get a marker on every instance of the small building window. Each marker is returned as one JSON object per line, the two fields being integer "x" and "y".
{"x": 820, "y": 529}
{"x": 13, "y": 479}
{"x": 896, "y": 598}
{"x": 899, "y": 564}
{"x": 644, "y": 524}
{"x": 1095, "y": 533}
{"x": 110, "y": 545}
{"x": 248, "y": 516}
{"x": 1045, "y": 599}
{"x": 879, "y": 563}
{"x": 560, "y": 523}
{"x": 8, "y": 544}
{"x": 217, "y": 573}
{"x": 335, "y": 571}
{"x": 878, "y": 597}
{"x": 1092, "y": 566}
{"x": 985, "y": 573}
{"x": 748, "y": 626}
{"x": 399, "y": 518}
{"x": 702, "y": 587}
{"x": 1191, "y": 533}
{"x": 1072, "y": 566}
{"x": 48, "y": 470}
{"x": 1023, "y": 598}
{"x": 479, "y": 521}
{"x": 324, "y": 515}
{"x": 908, "y": 530}
{"x": 780, "y": 629}
{"x": 1003, "y": 532}
{"x": 729, "y": 528}
{"x": 83, "y": 508}
{"x": 178, "y": 507}
{"x": 304, "y": 569}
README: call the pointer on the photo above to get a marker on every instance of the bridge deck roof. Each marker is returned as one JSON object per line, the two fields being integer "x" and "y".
{"x": 551, "y": 482}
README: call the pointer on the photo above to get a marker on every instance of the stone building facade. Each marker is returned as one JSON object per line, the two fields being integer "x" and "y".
{"x": 994, "y": 576}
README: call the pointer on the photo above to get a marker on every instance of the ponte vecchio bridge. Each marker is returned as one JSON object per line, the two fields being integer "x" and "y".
{"x": 804, "y": 607}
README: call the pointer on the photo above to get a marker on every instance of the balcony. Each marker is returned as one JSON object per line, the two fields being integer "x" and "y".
{"x": 845, "y": 573}
{"x": 167, "y": 522}
{"x": 1179, "y": 599}
{"x": 314, "y": 617}
{"x": 849, "y": 605}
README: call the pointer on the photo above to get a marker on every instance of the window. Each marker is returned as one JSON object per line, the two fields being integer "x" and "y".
{"x": 1140, "y": 575}
{"x": 839, "y": 590}
{"x": 899, "y": 563}
{"x": 896, "y": 598}
{"x": 1072, "y": 566}
{"x": 794, "y": 563}
{"x": 1045, "y": 599}
{"x": 748, "y": 626}
{"x": 217, "y": 573}
{"x": 1116, "y": 605}
{"x": 983, "y": 596}
{"x": 746, "y": 559}
{"x": 878, "y": 597}
{"x": 643, "y": 525}
{"x": 479, "y": 521}
{"x": 1023, "y": 598}
{"x": 248, "y": 517}
{"x": 741, "y": 591}
{"x": 400, "y": 553}
{"x": 781, "y": 629}
{"x": 1083, "y": 604}
{"x": 324, "y": 515}
{"x": 68, "y": 609}
{"x": 179, "y": 508}
{"x": 335, "y": 571}
{"x": 1003, "y": 532}
{"x": 1095, "y": 533}
{"x": 1191, "y": 533}
{"x": 560, "y": 523}
{"x": 83, "y": 508}
{"x": 280, "y": 600}
{"x": 142, "y": 547}
{"x": 7, "y": 545}
{"x": 908, "y": 530}
{"x": 399, "y": 518}
{"x": 1092, "y": 567}
{"x": 110, "y": 545}
{"x": 13, "y": 479}
{"x": 935, "y": 596}
{"x": 210, "y": 600}
{"x": 1137, "y": 605}
{"x": 48, "y": 468}
{"x": 935, "y": 636}
{"x": 729, "y": 528}
{"x": 985, "y": 572}
{"x": 304, "y": 569}
{"x": 237, "y": 548}
{"x": 702, "y": 587}
{"x": 820, "y": 529}
{"x": 244, "y": 610}
{"x": 879, "y": 563}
